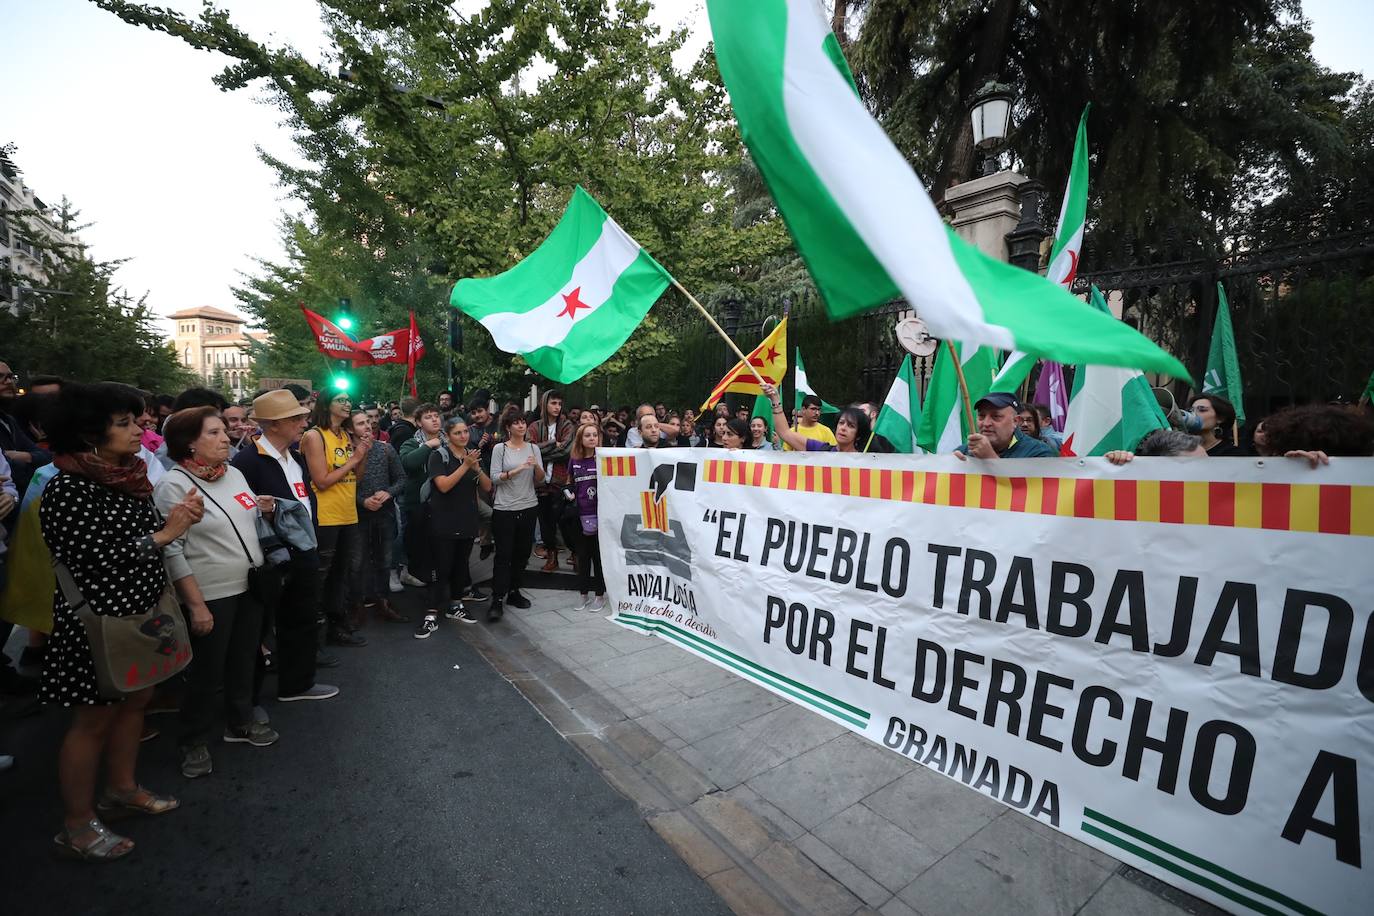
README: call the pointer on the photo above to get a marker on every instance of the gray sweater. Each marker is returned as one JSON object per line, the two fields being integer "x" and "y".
{"x": 381, "y": 471}
{"x": 210, "y": 551}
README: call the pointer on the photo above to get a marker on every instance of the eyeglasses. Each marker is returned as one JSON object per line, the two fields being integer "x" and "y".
{"x": 8, "y": 377}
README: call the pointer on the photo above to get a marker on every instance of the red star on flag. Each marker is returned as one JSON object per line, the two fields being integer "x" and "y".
{"x": 772, "y": 354}
{"x": 573, "y": 303}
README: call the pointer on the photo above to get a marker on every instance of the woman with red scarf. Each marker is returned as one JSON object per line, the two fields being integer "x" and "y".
{"x": 98, "y": 519}
{"x": 210, "y": 567}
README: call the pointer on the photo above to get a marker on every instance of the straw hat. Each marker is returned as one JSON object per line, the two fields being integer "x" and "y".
{"x": 277, "y": 405}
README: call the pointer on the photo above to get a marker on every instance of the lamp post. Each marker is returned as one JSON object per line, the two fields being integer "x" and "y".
{"x": 991, "y": 114}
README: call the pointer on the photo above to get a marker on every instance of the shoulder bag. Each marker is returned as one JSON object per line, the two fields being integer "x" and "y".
{"x": 133, "y": 652}
{"x": 263, "y": 582}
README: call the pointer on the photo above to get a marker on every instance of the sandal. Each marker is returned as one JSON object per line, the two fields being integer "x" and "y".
{"x": 114, "y": 805}
{"x": 106, "y": 847}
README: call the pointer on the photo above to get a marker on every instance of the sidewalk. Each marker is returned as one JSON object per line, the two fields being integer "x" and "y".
{"x": 779, "y": 809}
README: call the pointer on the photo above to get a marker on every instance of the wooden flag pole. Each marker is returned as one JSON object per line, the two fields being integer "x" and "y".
{"x": 963, "y": 385}
{"x": 721, "y": 331}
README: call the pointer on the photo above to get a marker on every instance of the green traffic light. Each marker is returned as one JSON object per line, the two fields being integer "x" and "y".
{"x": 345, "y": 323}
{"x": 342, "y": 383}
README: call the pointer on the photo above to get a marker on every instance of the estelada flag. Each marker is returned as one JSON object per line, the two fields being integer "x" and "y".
{"x": 329, "y": 338}
{"x": 769, "y": 359}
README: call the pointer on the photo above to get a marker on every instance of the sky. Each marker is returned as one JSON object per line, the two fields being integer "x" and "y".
{"x": 127, "y": 124}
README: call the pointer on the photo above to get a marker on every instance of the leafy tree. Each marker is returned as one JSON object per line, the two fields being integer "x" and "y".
{"x": 79, "y": 326}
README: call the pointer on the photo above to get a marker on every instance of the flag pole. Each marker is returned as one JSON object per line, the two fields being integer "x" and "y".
{"x": 721, "y": 331}
{"x": 963, "y": 385}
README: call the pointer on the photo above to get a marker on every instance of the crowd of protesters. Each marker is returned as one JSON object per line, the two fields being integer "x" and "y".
{"x": 283, "y": 524}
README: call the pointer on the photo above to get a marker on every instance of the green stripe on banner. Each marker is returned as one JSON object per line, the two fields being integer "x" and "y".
{"x": 1229, "y": 893}
{"x": 750, "y": 669}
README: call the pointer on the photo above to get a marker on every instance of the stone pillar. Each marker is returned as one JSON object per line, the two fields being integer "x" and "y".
{"x": 986, "y": 209}
{"x": 1024, "y": 242}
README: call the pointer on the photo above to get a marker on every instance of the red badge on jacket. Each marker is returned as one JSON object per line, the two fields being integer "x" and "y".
{"x": 246, "y": 500}
{"x": 300, "y": 490}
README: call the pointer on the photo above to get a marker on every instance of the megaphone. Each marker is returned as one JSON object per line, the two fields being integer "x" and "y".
{"x": 1178, "y": 418}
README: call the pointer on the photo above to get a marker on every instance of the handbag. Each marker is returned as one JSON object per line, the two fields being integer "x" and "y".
{"x": 588, "y": 524}
{"x": 262, "y": 582}
{"x": 133, "y": 652}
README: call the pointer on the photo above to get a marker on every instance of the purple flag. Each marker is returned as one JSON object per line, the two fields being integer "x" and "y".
{"x": 1050, "y": 389}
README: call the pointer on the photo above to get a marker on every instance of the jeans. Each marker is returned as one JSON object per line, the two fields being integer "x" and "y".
{"x": 451, "y": 580}
{"x": 340, "y": 572}
{"x": 419, "y": 555}
{"x": 513, "y": 531}
{"x": 225, "y": 657}
{"x": 550, "y": 511}
{"x": 378, "y": 530}
{"x": 589, "y": 564}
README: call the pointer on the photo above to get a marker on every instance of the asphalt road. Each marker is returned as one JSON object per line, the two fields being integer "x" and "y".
{"x": 423, "y": 788}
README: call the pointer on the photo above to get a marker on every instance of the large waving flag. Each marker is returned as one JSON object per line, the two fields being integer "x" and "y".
{"x": 571, "y": 303}
{"x": 944, "y": 426}
{"x": 901, "y": 411}
{"x": 768, "y": 359}
{"x": 1110, "y": 408}
{"x": 803, "y": 387}
{"x": 861, "y": 218}
{"x": 1223, "y": 366}
{"x": 330, "y": 339}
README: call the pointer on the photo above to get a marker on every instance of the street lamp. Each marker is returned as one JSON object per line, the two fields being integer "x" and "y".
{"x": 991, "y": 116}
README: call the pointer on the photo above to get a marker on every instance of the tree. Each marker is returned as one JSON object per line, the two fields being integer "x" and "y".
{"x": 1200, "y": 111}
{"x": 525, "y": 99}
{"x": 79, "y": 326}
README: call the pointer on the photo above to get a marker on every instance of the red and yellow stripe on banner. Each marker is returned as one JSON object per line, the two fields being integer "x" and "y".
{"x": 622, "y": 466}
{"x": 1316, "y": 508}
{"x": 653, "y": 514}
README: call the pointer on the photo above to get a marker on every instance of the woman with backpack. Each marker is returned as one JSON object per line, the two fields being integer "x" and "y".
{"x": 449, "y": 499}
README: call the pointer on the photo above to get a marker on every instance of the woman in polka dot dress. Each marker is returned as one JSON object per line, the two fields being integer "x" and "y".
{"x": 98, "y": 519}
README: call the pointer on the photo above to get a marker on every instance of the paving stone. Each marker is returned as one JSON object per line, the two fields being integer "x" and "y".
{"x": 792, "y": 730}
{"x": 895, "y": 907}
{"x": 626, "y": 641}
{"x": 698, "y": 850}
{"x": 744, "y": 895}
{"x": 589, "y": 652}
{"x": 735, "y": 756}
{"x": 1007, "y": 868}
{"x": 654, "y": 727}
{"x": 678, "y": 778}
{"x": 843, "y": 871}
{"x": 1119, "y": 897}
{"x": 777, "y": 823}
{"x": 888, "y": 854}
{"x": 633, "y": 740}
{"x": 700, "y": 677}
{"x": 718, "y": 710}
{"x": 937, "y": 810}
{"x": 806, "y": 882}
{"x": 648, "y": 662}
{"x": 819, "y": 784}
{"x": 1072, "y": 844}
{"x": 740, "y": 826}
{"x": 651, "y": 693}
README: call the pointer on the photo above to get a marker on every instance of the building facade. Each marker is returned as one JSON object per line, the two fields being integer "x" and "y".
{"x": 213, "y": 344}
{"x": 29, "y": 231}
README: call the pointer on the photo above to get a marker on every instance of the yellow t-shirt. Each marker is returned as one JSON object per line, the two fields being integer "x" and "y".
{"x": 339, "y": 504}
{"x": 819, "y": 433}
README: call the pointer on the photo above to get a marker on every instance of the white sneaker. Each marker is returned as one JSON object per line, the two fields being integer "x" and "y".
{"x": 408, "y": 579}
{"x": 395, "y": 582}
{"x": 599, "y": 604}
{"x": 586, "y": 604}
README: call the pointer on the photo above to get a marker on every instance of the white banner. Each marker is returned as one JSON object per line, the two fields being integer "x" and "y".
{"x": 1170, "y": 661}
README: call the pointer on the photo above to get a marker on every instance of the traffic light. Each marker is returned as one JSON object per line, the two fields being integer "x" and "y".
{"x": 342, "y": 383}
{"x": 345, "y": 317}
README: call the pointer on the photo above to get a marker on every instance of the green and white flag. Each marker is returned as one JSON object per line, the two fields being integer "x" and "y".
{"x": 944, "y": 426}
{"x": 861, "y": 218}
{"x": 1068, "y": 244}
{"x": 571, "y": 303}
{"x": 1110, "y": 408}
{"x": 1223, "y": 366}
{"x": 1013, "y": 372}
{"x": 803, "y": 388}
{"x": 901, "y": 411}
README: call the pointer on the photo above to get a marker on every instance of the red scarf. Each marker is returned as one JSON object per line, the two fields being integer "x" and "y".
{"x": 131, "y": 477}
{"x": 206, "y": 472}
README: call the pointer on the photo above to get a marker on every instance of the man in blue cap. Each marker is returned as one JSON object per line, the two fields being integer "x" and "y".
{"x": 997, "y": 431}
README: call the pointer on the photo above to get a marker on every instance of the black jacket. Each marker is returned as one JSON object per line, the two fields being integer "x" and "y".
{"x": 266, "y": 478}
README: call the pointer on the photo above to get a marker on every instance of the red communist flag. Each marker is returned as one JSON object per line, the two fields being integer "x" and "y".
{"x": 329, "y": 338}
{"x": 414, "y": 350}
